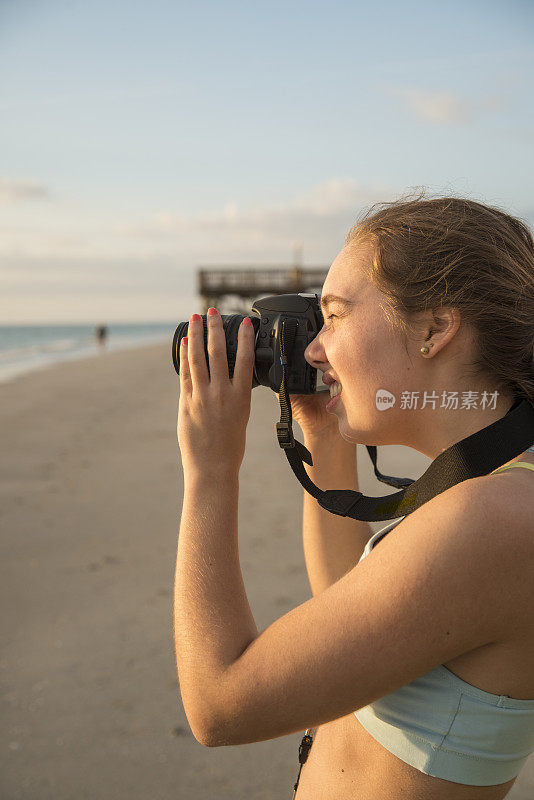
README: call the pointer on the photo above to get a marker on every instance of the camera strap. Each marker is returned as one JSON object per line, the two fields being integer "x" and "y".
{"x": 472, "y": 457}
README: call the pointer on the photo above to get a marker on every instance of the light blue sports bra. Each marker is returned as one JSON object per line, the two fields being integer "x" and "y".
{"x": 445, "y": 727}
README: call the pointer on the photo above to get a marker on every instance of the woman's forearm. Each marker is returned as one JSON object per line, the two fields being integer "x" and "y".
{"x": 213, "y": 621}
{"x": 332, "y": 544}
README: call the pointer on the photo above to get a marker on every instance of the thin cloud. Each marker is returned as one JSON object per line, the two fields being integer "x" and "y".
{"x": 432, "y": 106}
{"x": 13, "y": 191}
{"x": 325, "y": 207}
{"x": 169, "y": 244}
{"x": 446, "y": 107}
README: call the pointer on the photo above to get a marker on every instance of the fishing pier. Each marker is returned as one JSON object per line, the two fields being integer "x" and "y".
{"x": 241, "y": 286}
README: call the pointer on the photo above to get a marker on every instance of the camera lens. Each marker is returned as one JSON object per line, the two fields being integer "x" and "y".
{"x": 231, "y": 323}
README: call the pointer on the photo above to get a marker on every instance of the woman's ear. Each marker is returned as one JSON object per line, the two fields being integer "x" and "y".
{"x": 442, "y": 325}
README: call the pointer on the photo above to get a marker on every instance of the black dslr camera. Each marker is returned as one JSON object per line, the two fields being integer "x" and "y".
{"x": 297, "y": 316}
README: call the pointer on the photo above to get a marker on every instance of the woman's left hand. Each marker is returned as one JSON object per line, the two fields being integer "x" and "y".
{"x": 213, "y": 411}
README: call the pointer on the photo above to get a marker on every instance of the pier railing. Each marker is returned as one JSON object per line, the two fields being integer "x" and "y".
{"x": 216, "y": 284}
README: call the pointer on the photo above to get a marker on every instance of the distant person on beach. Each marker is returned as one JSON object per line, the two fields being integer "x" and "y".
{"x": 101, "y": 334}
{"x": 413, "y": 659}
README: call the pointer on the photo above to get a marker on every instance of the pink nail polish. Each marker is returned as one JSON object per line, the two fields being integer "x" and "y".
{"x": 195, "y": 317}
{"x": 212, "y": 311}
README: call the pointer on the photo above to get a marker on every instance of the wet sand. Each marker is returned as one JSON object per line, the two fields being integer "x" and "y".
{"x": 91, "y": 495}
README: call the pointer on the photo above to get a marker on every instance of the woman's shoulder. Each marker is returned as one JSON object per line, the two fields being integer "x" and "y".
{"x": 498, "y": 510}
{"x": 473, "y": 543}
{"x": 487, "y": 505}
{"x": 490, "y": 517}
{"x": 509, "y": 495}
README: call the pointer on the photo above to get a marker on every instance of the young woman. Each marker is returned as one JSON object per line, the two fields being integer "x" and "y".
{"x": 413, "y": 660}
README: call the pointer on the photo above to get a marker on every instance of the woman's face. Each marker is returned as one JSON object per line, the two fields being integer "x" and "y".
{"x": 358, "y": 346}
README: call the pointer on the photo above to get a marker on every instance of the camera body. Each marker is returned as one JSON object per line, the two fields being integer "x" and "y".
{"x": 267, "y": 316}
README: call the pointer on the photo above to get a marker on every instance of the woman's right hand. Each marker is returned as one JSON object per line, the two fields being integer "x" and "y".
{"x": 309, "y": 411}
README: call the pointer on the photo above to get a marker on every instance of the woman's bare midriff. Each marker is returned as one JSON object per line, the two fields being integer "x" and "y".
{"x": 346, "y": 763}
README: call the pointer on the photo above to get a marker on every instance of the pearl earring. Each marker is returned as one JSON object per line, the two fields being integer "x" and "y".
{"x": 424, "y": 350}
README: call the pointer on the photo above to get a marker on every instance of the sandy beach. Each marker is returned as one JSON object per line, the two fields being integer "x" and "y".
{"x": 91, "y": 496}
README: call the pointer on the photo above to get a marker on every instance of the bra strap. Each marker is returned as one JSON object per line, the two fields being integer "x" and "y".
{"x": 523, "y": 464}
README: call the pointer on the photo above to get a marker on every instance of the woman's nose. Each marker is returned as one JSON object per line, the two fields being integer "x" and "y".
{"x": 314, "y": 353}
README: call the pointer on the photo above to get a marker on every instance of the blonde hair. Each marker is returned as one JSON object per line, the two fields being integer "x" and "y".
{"x": 451, "y": 251}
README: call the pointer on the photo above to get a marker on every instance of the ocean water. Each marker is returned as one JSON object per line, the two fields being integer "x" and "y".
{"x": 25, "y": 348}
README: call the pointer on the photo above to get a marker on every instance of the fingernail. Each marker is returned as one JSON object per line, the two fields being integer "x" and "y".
{"x": 247, "y": 321}
{"x": 211, "y": 311}
{"x": 184, "y": 340}
{"x": 195, "y": 317}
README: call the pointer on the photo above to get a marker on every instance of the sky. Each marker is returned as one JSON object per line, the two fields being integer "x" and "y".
{"x": 140, "y": 141}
